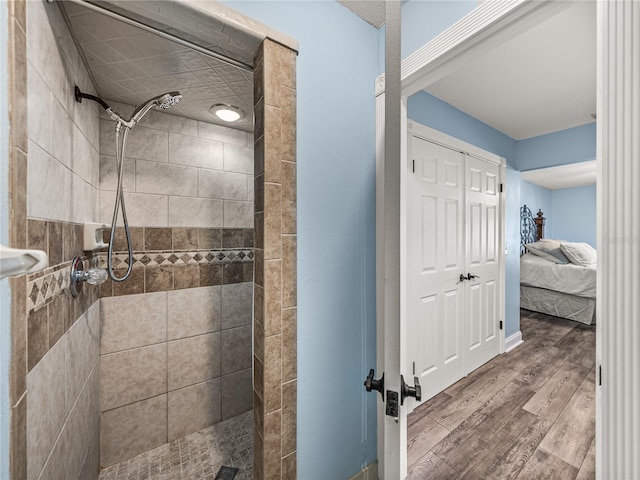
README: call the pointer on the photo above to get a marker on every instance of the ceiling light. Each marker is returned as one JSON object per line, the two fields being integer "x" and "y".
{"x": 227, "y": 113}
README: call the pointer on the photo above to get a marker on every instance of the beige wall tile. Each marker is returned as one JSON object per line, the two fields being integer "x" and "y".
{"x": 142, "y": 209}
{"x": 288, "y": 133}
{"x": 46, "y": 179}
{"x": 272, "y": 221}
{"x": 132, "y": 375}
{"x": 193, "y": 311}
{"x": 39, "y": 111}
{"x": 272, "y": 144}
{"x": 289, "y": 344}
{"x": 289, "y": 271}
{"x": 108, "y": 174}
{"x": 272, "y": 297}
{"x": 195, "y": 152}
{"x": 142, "y": 143}
{"x": 236, "y": 304}
{"x": 46, "y": 413}
{"x": 272, "y": 444}
{"x": 236, "y": 393}
{"x": 236, "y": 349}
{"x": 166, "y": 179}
{"x": 195, "y": 212}
{"x": 85, "y": 160}
{"x": 289, "y": 471}
{"x": 133, "y": 321}
{"x": 133, "y": 429}
{"x": 223, "y": 134}
{"x": 186, "y": 276}
{"x": 194, "y": 408}
{"x": 18, "y": 438}
{"x": 289, "y": 198}
{"x": 272, "y": 374}
{"x": 193, "y": 360}
{"x": 83, "y": 351}
{"x": 238, "y": 158}
{"x": 159, "y": 279}
{"x": 238, "y": 214}
{"x": 222, "y": 185}
{"x": 170, "y": 123}
{"x": 289, "y": 401}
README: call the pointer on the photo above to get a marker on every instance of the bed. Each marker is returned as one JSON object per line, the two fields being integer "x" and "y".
{"x": 549, "y": 282}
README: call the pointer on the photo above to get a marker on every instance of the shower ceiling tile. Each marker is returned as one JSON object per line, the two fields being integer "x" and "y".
{"x": 130, "y": 65}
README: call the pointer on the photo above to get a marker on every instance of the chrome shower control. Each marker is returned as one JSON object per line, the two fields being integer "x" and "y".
{"x": 93, "y": 276}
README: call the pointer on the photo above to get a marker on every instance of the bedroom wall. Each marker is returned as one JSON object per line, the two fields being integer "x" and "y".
{"x": 572, "y": 145}
{"x": 539, "y": 198}
{"x": 574, "y": 214}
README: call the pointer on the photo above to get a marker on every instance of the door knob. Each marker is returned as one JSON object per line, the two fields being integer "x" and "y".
{"x": 471, "y": 277}
{"x": 407, "y": 391}
{"x": 372, "y": 384}
{"x": 462, "y": 278}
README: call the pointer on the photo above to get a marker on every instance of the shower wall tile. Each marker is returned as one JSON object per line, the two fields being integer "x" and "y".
{"x": 37, "y": 341}
{"x": 157, "y": 239}
{"x": 132, "y": 375}
{"x": 289, "y": 198}
{"x": 142, "y": 209}
{"x": 289, "y": 408}
{"x": 83, "y": 352}
{"x": 186, "y": 277}
{"x": 46, "y": 390}
{"x": 62, "y": 128}
{"x": 193, "y": 311}
{"x": 159, "y": 279}
{"x": 272, "y": 373}
{"x": 238, "y": 158}
{"x": 225, "y": 135}
{"x": 238, "y": 214}
{"x": 236, "y": 305}
{"x": 184, "y": 238}
{"x": 272, "y": 444}
{"x": 236, "y": 393}
{"x": 108, "y": 174}
{"x": 85, "y": 161}
{"x": 142, "y": 143}
{"x": 196, "y": 152}
{"x": 193, "y": 408}
{"x": 193, "y": 360}
{"x": 223, "y": 185}
{"x": 39, "y": 109}
{"x": 289, "y": 344}
{"x": 289, "y": 271}
{"x": 47, "y": 179}
{"x": 153, "y": 177}
{"x": 195, "y": 212}
{"x": 132, "y": 429}
{"x": 236, "y": 349}
{"x": 170, "y": 123}
{"x": 133, "y": 321}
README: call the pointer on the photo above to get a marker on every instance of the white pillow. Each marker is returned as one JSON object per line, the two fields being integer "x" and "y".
{"x": 548, "y": 249}
{"x": 579, "y": 253}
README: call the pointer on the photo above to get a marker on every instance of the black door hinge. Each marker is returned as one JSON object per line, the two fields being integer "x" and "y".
{"x": 501, "y": 187}
{"x": 500, "y": 324}
{"x": 413, "y": 168}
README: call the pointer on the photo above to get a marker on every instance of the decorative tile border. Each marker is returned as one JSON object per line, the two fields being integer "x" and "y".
{"x": 155, "y": 259}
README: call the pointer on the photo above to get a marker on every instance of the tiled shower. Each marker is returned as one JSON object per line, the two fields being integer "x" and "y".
{"x": 128, "y": 367}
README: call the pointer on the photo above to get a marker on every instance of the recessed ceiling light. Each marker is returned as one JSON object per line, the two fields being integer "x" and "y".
{"x": 227, "y": 113}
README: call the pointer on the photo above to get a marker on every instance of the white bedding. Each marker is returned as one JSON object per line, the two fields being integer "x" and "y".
{"x": 572, "y": 279}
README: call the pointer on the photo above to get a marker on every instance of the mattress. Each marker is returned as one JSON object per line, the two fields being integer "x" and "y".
{"x": 558, "y": 304}
{"x": 566, "y": 278}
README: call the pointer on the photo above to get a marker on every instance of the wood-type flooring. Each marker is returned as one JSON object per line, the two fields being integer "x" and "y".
{"x": 526, "y": 414}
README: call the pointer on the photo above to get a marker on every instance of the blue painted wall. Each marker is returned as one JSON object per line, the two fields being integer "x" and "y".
{"x": 5, "y": 297}
{"x": 574, "y": 214}
{"x": 433, "y": 112}
{"x": 558, "y": 148}
{"x": 539, "y": 198}
{"x": 337, "y": 66}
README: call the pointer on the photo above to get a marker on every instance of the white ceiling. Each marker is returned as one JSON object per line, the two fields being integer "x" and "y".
{"x": 563, "y": 176}
{"x": 541, "y": 81}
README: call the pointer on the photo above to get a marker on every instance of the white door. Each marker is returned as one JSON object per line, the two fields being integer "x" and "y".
{"x": 453, "y": 264}
{"x": 436, "y": 247}
{"x": 482, "y": 289}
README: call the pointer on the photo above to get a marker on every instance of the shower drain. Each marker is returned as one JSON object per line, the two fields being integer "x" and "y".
{"x": 226, "y": 473}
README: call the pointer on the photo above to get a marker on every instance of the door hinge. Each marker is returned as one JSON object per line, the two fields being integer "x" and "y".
{"x": 500, "y": 324}
{"x": 413, "y": 167}
{"x": 501, "y": 187}
{"x": 600, "y": 375}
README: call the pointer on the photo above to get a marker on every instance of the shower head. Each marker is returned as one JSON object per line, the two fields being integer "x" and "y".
{"x": 162, "y": 102}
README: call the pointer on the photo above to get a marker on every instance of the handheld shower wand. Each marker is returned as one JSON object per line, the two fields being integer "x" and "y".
{"x": 162, "y": 102}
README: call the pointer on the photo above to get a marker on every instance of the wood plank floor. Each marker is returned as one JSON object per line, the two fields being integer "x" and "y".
{"x": 526, "y": 414}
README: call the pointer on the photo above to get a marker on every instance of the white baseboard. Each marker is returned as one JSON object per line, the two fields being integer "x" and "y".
{"x": 370, "y": 472}
{"x": 513, "y": 341}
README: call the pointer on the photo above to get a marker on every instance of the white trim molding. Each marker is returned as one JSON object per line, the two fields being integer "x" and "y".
{"x": 513, "y": 341}
{"x": 618, "y": 308}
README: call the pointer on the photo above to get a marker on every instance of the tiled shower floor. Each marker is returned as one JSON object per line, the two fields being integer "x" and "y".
{"x": 198, "y": 456}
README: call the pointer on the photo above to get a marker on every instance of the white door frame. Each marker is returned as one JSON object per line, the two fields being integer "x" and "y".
{"x": 490, "y": 24}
